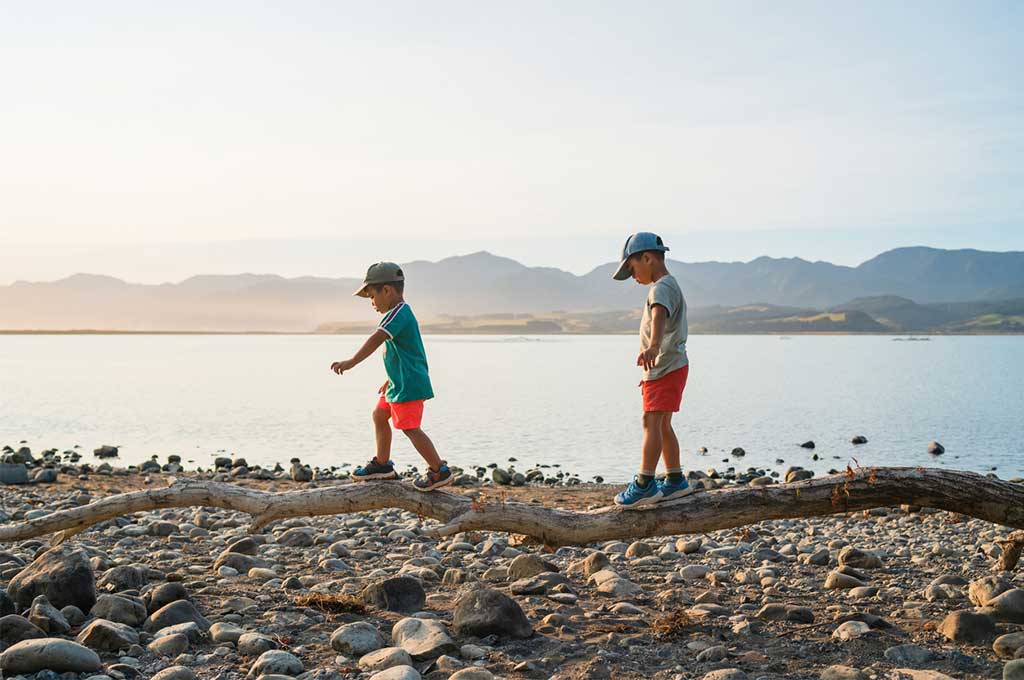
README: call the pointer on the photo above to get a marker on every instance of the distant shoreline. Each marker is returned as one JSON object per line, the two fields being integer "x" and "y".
{"x": 895, "y": 334}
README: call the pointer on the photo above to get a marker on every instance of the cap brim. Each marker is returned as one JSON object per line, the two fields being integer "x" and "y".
{"x": 363, "y": 292}
{"x": 623, "y": 272}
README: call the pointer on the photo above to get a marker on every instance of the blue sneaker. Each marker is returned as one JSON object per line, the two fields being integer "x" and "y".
{"x": 670, "y": 491}
{"x": 636, "y": 495}
{"x": 374, "y": 470}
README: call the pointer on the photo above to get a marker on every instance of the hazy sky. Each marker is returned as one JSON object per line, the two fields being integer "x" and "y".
{"x": 331, "y": 133}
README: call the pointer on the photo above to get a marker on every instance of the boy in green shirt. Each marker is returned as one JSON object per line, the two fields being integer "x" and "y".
{"x": 408, "y": 385}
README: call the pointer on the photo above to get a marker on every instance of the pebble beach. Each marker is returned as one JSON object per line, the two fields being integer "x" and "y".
{"x": 904, "y": 592}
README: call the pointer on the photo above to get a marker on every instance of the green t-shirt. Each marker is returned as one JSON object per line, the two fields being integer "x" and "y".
{"x": 405, "y": 360}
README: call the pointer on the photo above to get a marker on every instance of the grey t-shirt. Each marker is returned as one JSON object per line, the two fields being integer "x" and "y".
{"x": 672, "y": 354}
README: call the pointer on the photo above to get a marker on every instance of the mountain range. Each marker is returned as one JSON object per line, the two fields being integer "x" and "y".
{"x": 920, "y": 288}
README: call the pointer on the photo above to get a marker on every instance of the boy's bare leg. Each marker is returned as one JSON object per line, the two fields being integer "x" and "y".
{"x": 424, "y": 446}
{"x": 382, "y": 431}
{"x": 669, "y": 445}
{"x": 653, "y": 441}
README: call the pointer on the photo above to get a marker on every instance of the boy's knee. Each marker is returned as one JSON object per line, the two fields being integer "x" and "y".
{"x": 653, "y": 419}
{"x": 381, "y": 416}
{"x": 412, "y": 432}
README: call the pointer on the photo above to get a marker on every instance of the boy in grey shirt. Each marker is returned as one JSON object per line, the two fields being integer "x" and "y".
{"x": 665, "y": 369}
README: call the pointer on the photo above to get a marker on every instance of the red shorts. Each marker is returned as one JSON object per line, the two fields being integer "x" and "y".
{"x": 665, "y": 393}
{"x": 405, "y": 415}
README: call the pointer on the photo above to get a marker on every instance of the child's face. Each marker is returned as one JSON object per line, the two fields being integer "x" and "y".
{"x": 642, "y": 266}
{"x": 383, "y": 298}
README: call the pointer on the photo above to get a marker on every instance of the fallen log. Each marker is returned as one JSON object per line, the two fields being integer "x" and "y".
{"x": 967, "y": 493}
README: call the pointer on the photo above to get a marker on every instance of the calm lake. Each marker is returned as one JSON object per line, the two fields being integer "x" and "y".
{"x": 572, "y": 400}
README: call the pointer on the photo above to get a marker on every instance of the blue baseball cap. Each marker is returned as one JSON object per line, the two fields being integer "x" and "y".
{"x": 637, "y": 243}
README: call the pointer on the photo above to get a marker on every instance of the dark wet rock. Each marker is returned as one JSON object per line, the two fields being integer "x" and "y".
{"x": 936, "y": 448}
{"x": 63, "y": 574}
{"x": 808, "y": 444}
{"x": 859, "y": 439}
{"x": 486, "y": 611}
{"x": 105, "y": 451}
{"x": 402, "y": 594}
{"x": 45, "y": 476}
{"x": 6, "y": 604}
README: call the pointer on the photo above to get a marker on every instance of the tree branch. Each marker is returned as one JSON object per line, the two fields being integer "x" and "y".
{"x": 967, "y": 493}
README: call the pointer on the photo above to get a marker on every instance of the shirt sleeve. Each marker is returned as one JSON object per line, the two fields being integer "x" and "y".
{"x": 666, "y": 297}
{"x": 395, "y": 321}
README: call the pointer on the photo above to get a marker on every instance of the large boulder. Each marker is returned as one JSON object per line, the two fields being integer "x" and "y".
{"x": 402, "y": 594}
{"x": 63, "y": 574}
{"x": 486, "y": 611}
{"x": 61, "y": 656}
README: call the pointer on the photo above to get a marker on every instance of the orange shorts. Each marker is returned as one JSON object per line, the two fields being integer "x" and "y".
{"x": 665, "y": 393}
{"x": 405, "y": 415}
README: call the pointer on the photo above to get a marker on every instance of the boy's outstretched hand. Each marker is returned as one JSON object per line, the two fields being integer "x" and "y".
{"x": 647, "y": 358}
{"x": 384, "y": 387}
{"x": 340, "y": 367}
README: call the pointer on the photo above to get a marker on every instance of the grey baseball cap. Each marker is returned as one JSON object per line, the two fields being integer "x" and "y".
{"x": 637, "y": 243}
{"x": 381, "y": 272}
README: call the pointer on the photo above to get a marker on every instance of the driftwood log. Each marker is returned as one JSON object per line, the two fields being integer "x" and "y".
{"x": 967, "y": 493}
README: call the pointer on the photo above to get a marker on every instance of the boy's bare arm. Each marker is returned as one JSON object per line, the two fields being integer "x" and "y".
{"x": 649, "y": 355}
{"x": 368, "y": 348}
